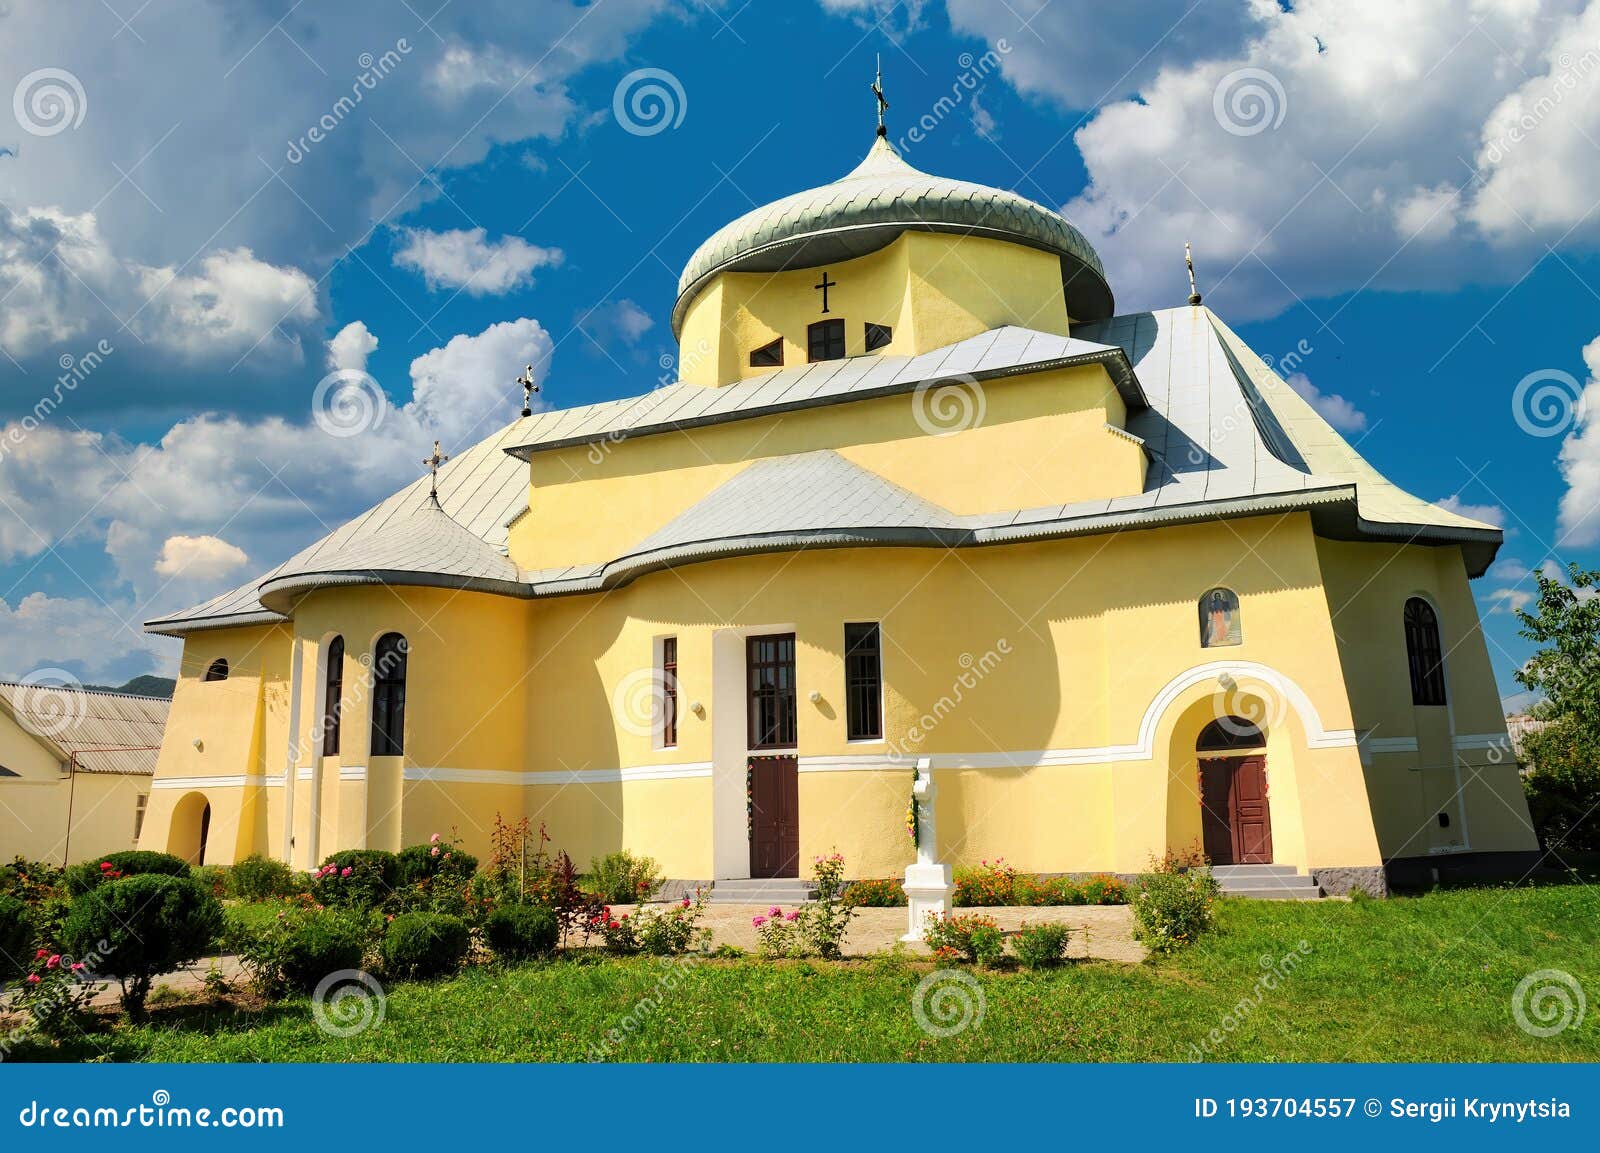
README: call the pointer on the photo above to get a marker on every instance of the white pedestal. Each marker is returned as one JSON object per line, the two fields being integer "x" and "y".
{"x": 928, "y": 890}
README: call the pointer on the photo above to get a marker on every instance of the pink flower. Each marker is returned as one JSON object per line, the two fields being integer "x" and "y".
{"x": 758, "y": 921}
{"x": 795, "y": 916}
{"x": 53, "y": 961}
{"x": 77, "y": 966}
{"x": 433, "y": 852}
{"x": 686, "y": 902}
{"x": 346, "y": 871}
{"x": 433, "y": 840}
{"x": 33, "y": 978}
{"x": 41, "y": 954}
{"x": 774, "y": 912}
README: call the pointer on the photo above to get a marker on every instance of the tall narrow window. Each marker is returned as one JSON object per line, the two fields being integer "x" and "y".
{"x": 768, "y": 355}
{"x": 217, "y": 670}
{"x": 1424, "y": 653}
{"x": 826, "y": 340}
{"x": 1219, "y": 619}
{"x": 669, "y": 692}
{"x": 878, "y": 336}
{"x": 770, "y": 664}
{"x": 863, "y": 683}
{"x": 333, "y": 697}
{"x": 139, "y": 804}
{"x": 389, "y": 695}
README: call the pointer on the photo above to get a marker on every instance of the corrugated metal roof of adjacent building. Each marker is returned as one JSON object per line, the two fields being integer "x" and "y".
{"x": 101, "y": 732}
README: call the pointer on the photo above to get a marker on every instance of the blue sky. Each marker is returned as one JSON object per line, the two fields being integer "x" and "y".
{"x": 1402, "y": 197}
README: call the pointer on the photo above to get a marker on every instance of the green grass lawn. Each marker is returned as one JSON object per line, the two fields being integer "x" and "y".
{"x": 1419, "y": 978}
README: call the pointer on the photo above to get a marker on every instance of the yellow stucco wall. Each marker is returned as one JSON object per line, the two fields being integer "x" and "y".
{"x": 38, "y": 805}
{"x": 1042, "y": 437}
{"x": 933, "y": 289}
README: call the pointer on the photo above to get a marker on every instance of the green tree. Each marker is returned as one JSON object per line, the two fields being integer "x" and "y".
{"x": 1564, "y": 785}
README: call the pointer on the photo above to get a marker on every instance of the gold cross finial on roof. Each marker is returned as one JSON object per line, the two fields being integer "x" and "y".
{"x": 877, "y": 90}
{"x": 432, "y": 463}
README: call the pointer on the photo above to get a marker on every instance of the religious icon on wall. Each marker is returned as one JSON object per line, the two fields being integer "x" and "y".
{"x": 1219, "y": 619}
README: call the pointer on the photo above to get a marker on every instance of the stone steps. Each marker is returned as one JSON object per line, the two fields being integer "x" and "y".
{"x": 1266, "y": 882}
{"x": 784, "y": 891}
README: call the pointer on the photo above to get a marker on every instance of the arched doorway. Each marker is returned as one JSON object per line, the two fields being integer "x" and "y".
{"x": 1236, "y": 820}
{"x": 190, "y": 829}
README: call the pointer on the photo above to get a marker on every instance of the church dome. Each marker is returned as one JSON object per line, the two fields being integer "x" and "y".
{"x": 868, "y": 208}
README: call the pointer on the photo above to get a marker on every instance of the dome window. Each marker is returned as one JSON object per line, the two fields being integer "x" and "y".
{"x": 826, "y": 340}
{"x": 878, "y": 336}
{"x": 768, "y": 355}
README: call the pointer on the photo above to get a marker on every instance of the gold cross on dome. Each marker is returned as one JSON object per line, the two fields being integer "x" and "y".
{"x": 432, "y": 463}
{"x": 877, "y": 90}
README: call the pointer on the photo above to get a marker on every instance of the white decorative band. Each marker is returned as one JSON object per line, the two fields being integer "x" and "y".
{"x": 1390, "y": 744}
{"x": 352, "y": 772}
{"x": 230, "y": 782}
{"x": 1483, "y": 741}
{"x": 304, "y": 773}
{"x": 855, "y": 762}
{"x": 564, "y": 777}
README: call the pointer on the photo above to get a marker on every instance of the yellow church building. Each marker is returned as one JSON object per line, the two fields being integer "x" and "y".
{"x": 919, "y": 497}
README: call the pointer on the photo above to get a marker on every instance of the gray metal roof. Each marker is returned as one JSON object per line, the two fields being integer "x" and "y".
{"x": 100, "y": 732}
{"x": 871, "y": 206}
{"x": 1225, "y": 437}
{"x": 999, "y": 352}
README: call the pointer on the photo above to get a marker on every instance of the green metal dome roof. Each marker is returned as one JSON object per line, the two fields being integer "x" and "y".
{"x": 867, "y": 209}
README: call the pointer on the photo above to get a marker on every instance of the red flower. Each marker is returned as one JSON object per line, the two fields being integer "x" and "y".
{"x": 41, "y": 954}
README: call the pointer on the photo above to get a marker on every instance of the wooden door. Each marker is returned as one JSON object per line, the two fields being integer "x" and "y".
{"x": 774, "y": 817}
{"x": 1248, "y": 814}
{"x": 1236, "y": 821}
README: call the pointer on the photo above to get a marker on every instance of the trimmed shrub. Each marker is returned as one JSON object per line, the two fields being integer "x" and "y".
{"x": 16, "y": 938}
{"x": 436, "y": 859}
{"x": 300, "y": 947}
{"x": 889, "y": 893}
{"x": 1040, "y": 946}
{"x": 425, "y": 945}
{"x": 144, "y": 925}
{"x": 623, "y": 879}
{"x": 1102, "y": 889}
{"x": 968, "y": 937}
{"x": 258, "y": 878}
{"x": 356, "y": 878}
{"x": 519, "y": 932}
{"x": 86, "y": 875}
{"x": 992, "y": 883}
{"x": 1170, "y": 910}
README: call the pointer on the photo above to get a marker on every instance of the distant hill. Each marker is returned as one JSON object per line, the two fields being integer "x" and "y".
{"x": 145, "y": 686}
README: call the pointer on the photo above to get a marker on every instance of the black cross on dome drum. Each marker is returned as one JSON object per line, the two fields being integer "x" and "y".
{"x": 825, "y": 284}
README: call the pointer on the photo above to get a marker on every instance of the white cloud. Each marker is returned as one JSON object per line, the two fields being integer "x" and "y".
{"x": 615, "y": 322}
{"x": 1553, "y": 571}
{"x": 350, "y": 347}
{"x": 92, "y": 638}
{"x": 1579, "y": 514}
{"x": 1335, "y": 409}
{"x": 63, "y": 282}
{"x": 895, "y": 19}
{"x": 1508, "y": 600}
{"x": 464, "y": 389}
{"x": 1382, "y": 106}
{"x": 200, "y": 557}
{"x": 465, "y": 259}
{"x": 1487, "y": 513}
{"x": 983, "y": 121}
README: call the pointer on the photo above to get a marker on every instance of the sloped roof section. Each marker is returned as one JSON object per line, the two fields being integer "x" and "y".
{"x": 1225, "y": 436}
{"x": 871, "y": 206}
{"x": 1006, "y": 351}
{"x": 99, "y": 732}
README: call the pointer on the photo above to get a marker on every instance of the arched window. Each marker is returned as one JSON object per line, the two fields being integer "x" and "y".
{"x": 1226, "y": 734}
{"x": 218, "y": 671}
{"x": 1219, "y": 619}
{"x": 333, "y": 697}
{"x": 1424, "y": 653}
{"x": 389, "y": 695}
